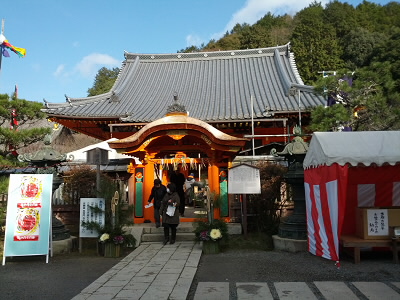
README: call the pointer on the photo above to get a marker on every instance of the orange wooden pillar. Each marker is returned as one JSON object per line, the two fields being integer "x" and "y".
{"x": 213, "y": 183}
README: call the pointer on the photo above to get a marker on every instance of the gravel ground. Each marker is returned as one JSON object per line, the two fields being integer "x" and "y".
{"x": 277, "y": 266}
{"x": 64, "y": 277}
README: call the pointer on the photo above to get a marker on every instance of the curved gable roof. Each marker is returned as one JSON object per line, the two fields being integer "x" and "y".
{"x": 213, "y": 86}
{"x": 183, "y": 122}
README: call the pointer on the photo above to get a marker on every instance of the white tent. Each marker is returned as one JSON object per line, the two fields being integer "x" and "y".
{"x": 345, "y": 171}
{"x": 80, "y": 154}
{"x": 354, "y": 147}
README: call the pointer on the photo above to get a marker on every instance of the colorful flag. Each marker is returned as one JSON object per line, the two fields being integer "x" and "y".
{"x": 21, "y": 52}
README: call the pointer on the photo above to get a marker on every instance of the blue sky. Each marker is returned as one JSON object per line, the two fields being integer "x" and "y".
{"x": 67, "y": 42}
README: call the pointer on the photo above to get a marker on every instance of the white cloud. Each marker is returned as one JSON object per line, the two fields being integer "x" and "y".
{"x": 192, "y": 39}
{"x": 90, "y": 64}
{"x": 59, "y": 72}
{"x": 254, "y": 10}
{"x": 87, "y": 67}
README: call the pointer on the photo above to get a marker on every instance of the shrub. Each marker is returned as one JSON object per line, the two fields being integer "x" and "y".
{"x": 268, "y": 206}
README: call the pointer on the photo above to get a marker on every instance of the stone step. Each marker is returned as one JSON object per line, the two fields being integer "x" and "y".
{"x": 179, "y": 229}
{"x": 159, "y": 237}
{"x": 143, "y": 232}
{"x": 184, "y": 232}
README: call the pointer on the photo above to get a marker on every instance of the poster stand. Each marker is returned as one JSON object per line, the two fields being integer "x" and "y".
{"x": 28, "y": 216}
{"x": 51, "y": 236}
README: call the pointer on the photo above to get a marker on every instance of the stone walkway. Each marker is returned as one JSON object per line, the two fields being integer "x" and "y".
{"x": 328, "y": 290}
{"x": 153, "y": 271}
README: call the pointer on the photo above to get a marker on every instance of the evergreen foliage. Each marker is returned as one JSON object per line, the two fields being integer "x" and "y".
{"x": 27, "y": 113}
{"x": 103, "y": 81}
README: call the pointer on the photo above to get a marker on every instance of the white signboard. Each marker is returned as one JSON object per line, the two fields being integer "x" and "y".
{"x": 87, "y": 214}
{"x": 244, "y": 179}
{"x": 377, "y": 222}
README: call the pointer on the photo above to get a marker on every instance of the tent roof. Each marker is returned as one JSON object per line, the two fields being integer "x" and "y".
{"x": 359, "y": 147}
{"x": 80, "y": 154}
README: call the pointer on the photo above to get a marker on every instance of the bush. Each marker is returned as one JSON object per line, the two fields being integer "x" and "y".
{"x": 80, "y": 182}
{"x": 267, "y": 207}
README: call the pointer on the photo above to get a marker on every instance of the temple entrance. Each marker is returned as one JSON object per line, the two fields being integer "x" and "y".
{"x": 196, "y": 191}
{"x": 196, "y": 148}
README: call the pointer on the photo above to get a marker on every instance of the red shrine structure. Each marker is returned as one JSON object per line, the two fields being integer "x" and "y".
{"x": 200, "y": 110}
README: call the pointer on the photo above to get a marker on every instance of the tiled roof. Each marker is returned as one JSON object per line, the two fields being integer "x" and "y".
{"x": 212, "y": 86}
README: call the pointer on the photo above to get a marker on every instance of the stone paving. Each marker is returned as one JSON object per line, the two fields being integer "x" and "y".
{"x": 327, "y": 290}
{"x": 153, "y": 271}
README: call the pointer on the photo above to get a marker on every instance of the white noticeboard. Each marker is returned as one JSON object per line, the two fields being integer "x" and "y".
{"x": 378, "y": 223}
{"x": 88, "y": 215}
{"x": 244, "y": 179}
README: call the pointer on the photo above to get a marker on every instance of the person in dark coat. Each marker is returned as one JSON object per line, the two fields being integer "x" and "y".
{"x": 170, "y": 213}
{"x": 179, "y": 180}
{"x": 158, "y": 192}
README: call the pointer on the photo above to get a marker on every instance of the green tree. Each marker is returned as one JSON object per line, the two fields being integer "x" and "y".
{"x": 359, "y": 47}
{"x": 189, "y": 49}
{"x": 363, "y": 106}
{"x": 315, "y": 44}
{"x": 228, "y": 42}
{"x": 254, "y": 37}
{"x": 329, "y": 118}
{"x": 26, "y": 113}
{"x": 372, "y": 17}
{"x": 103, "y": 82}
{"x": 342, "y": 16}
{"x": 389, "y": 51}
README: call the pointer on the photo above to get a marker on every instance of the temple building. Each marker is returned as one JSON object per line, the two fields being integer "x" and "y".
{"x": 199, "y": 110}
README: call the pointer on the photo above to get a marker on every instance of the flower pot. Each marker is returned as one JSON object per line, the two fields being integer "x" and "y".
{"x": 101, "y": 248}
{"x": 112, "y": 250}
{"x": 210, "y": 247}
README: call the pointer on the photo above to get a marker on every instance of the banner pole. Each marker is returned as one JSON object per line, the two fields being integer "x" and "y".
{"x": 2, "y": 32}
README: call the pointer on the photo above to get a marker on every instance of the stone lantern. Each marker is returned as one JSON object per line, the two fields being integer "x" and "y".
{"x": 294, "y": 227}
{"x": 45, "y": 161}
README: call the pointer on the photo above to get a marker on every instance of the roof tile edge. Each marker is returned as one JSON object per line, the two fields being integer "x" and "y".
{"x": 208, "y": 55}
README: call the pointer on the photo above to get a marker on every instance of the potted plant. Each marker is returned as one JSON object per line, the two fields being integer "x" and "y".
{"x": 112, "y": 236}
{"x": 111, "y": 243}
{"x": 210, "y": 234}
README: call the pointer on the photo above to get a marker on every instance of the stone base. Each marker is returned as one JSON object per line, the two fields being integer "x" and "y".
{"x": 65, "y": 246}
{"x": 289, "y": 245}
{"x": 234, "y": 228}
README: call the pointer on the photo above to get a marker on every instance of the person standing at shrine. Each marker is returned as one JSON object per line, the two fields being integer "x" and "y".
{"x": 189, "y": 189}
{"x": 179, "y": 180}
{"x": 170, "y": 213}
{"x": 158, "y": 192}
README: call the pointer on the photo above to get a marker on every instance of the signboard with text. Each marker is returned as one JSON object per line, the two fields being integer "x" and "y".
{"x": 377, "y": 220}
{"x": 28, "y": 220}
{"x": 244, "y": 179}
{"x": 89, "y": 213}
